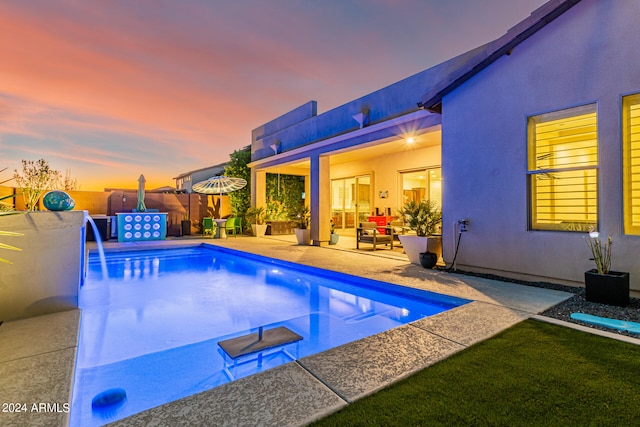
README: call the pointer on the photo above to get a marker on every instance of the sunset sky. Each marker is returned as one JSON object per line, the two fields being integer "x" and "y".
{"x": 113, "y": 89}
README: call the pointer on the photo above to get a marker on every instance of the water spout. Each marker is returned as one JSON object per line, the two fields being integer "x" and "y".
{"x": 103, "y": 260}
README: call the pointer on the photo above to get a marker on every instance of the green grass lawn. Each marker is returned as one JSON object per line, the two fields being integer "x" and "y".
{"x": 534, "y": 373}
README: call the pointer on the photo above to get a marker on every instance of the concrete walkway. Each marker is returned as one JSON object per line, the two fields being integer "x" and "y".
{"x": 298, "y": 392}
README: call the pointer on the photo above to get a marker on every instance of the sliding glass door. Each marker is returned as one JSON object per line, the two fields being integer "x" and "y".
{"x": 350, "y": 201}
{"x": 423, "y": 184}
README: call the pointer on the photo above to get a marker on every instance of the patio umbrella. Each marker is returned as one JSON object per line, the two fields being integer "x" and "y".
{"x": 140, "y": 207}
{"x": 219, "y": 185}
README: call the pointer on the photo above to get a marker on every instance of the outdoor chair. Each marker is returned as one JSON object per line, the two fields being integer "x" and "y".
{"x": 208, "y": 227}
{"x": 396, "y": 229}
{"x": 368, "y": 232}
{"x": 233, "y": 226}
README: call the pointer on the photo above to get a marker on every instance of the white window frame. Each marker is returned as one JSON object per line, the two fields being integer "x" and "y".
{"x": 559, "y": 165}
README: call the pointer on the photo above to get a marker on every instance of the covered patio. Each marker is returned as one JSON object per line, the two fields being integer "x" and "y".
{"x": 368, "y": 172}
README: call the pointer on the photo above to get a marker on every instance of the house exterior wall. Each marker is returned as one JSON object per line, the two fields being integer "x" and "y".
{"x": 264, "y": 136}
{"x": 198, "y": 176}
{"x": 587, "y": 55}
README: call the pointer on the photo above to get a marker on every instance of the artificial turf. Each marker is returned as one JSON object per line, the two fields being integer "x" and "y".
{"x": 533, "y": 374}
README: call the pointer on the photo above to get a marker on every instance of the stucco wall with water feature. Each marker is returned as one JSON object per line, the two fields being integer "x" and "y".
{"x": 45, "y": 275}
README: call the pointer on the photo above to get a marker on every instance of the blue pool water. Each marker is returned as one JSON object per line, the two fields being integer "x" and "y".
{"x": 151, "y": 330}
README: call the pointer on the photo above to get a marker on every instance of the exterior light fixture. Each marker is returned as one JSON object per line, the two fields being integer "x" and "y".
{"x": 362, "y": 118}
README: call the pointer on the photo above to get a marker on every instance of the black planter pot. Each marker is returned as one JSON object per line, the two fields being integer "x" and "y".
{"x": 186, "y": 227}
{"x": 428, "y": 259}
{"x": 611, "y": 288}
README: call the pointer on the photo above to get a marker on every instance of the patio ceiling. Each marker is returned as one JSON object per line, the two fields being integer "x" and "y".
{"x": 395, "y": 146}
{"x": 371, "y": 151}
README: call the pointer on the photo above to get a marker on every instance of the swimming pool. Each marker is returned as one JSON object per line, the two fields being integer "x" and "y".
{"x": 152, "y": 329}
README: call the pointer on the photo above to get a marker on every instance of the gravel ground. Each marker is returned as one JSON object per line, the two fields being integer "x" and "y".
{"x": 579, "y": 304}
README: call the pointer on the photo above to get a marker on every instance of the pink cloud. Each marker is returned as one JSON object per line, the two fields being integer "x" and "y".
{"x": 185, "y": 82}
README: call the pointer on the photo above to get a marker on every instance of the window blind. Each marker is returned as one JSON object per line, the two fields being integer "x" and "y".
{"x": 631, "y": 150}
{"x": 563, "y": 175}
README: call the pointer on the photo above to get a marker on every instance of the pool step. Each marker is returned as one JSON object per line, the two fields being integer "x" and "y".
{"x": 358, "y": 317}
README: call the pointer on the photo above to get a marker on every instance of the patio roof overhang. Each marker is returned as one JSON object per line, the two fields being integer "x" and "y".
{"x": 412, "y": 124}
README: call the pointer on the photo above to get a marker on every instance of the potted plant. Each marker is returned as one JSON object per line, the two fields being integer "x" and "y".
{"x": 424, "y": 219}
{"x": 302, "y": 232}
{"x": 601, "y": 284}
{"x": 185, "y": 225}
{"x": 333, "y": 238}
{"x": 256, "y": 217}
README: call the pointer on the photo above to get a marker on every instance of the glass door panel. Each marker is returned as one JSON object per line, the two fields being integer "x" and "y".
{"x": 423, "y": 184}
{"x": 337, "y": 203}
{"x": 435, "y": 186}
{"x": 350, "y": 201}
{"x": 414, "y": 186}
{"x": 363, "y": 192}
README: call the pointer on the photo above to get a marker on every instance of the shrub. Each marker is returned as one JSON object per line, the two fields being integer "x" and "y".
{"x": 36, "y": 178}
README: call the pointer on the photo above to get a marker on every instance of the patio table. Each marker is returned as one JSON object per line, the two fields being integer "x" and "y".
{"x": 220, "y": 230}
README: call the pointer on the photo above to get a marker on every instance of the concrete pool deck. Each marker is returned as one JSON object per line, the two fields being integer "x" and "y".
{"x": 37, "y": 356}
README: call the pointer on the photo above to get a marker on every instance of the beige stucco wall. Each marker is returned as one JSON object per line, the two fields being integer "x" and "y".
{"x": 113, "y": 201}
{"x": 95, "y": 202}
{"x": 589, "y": 54}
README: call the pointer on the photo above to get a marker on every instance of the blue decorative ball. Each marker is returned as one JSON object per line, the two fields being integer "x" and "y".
{"x": 58, "y": 201}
